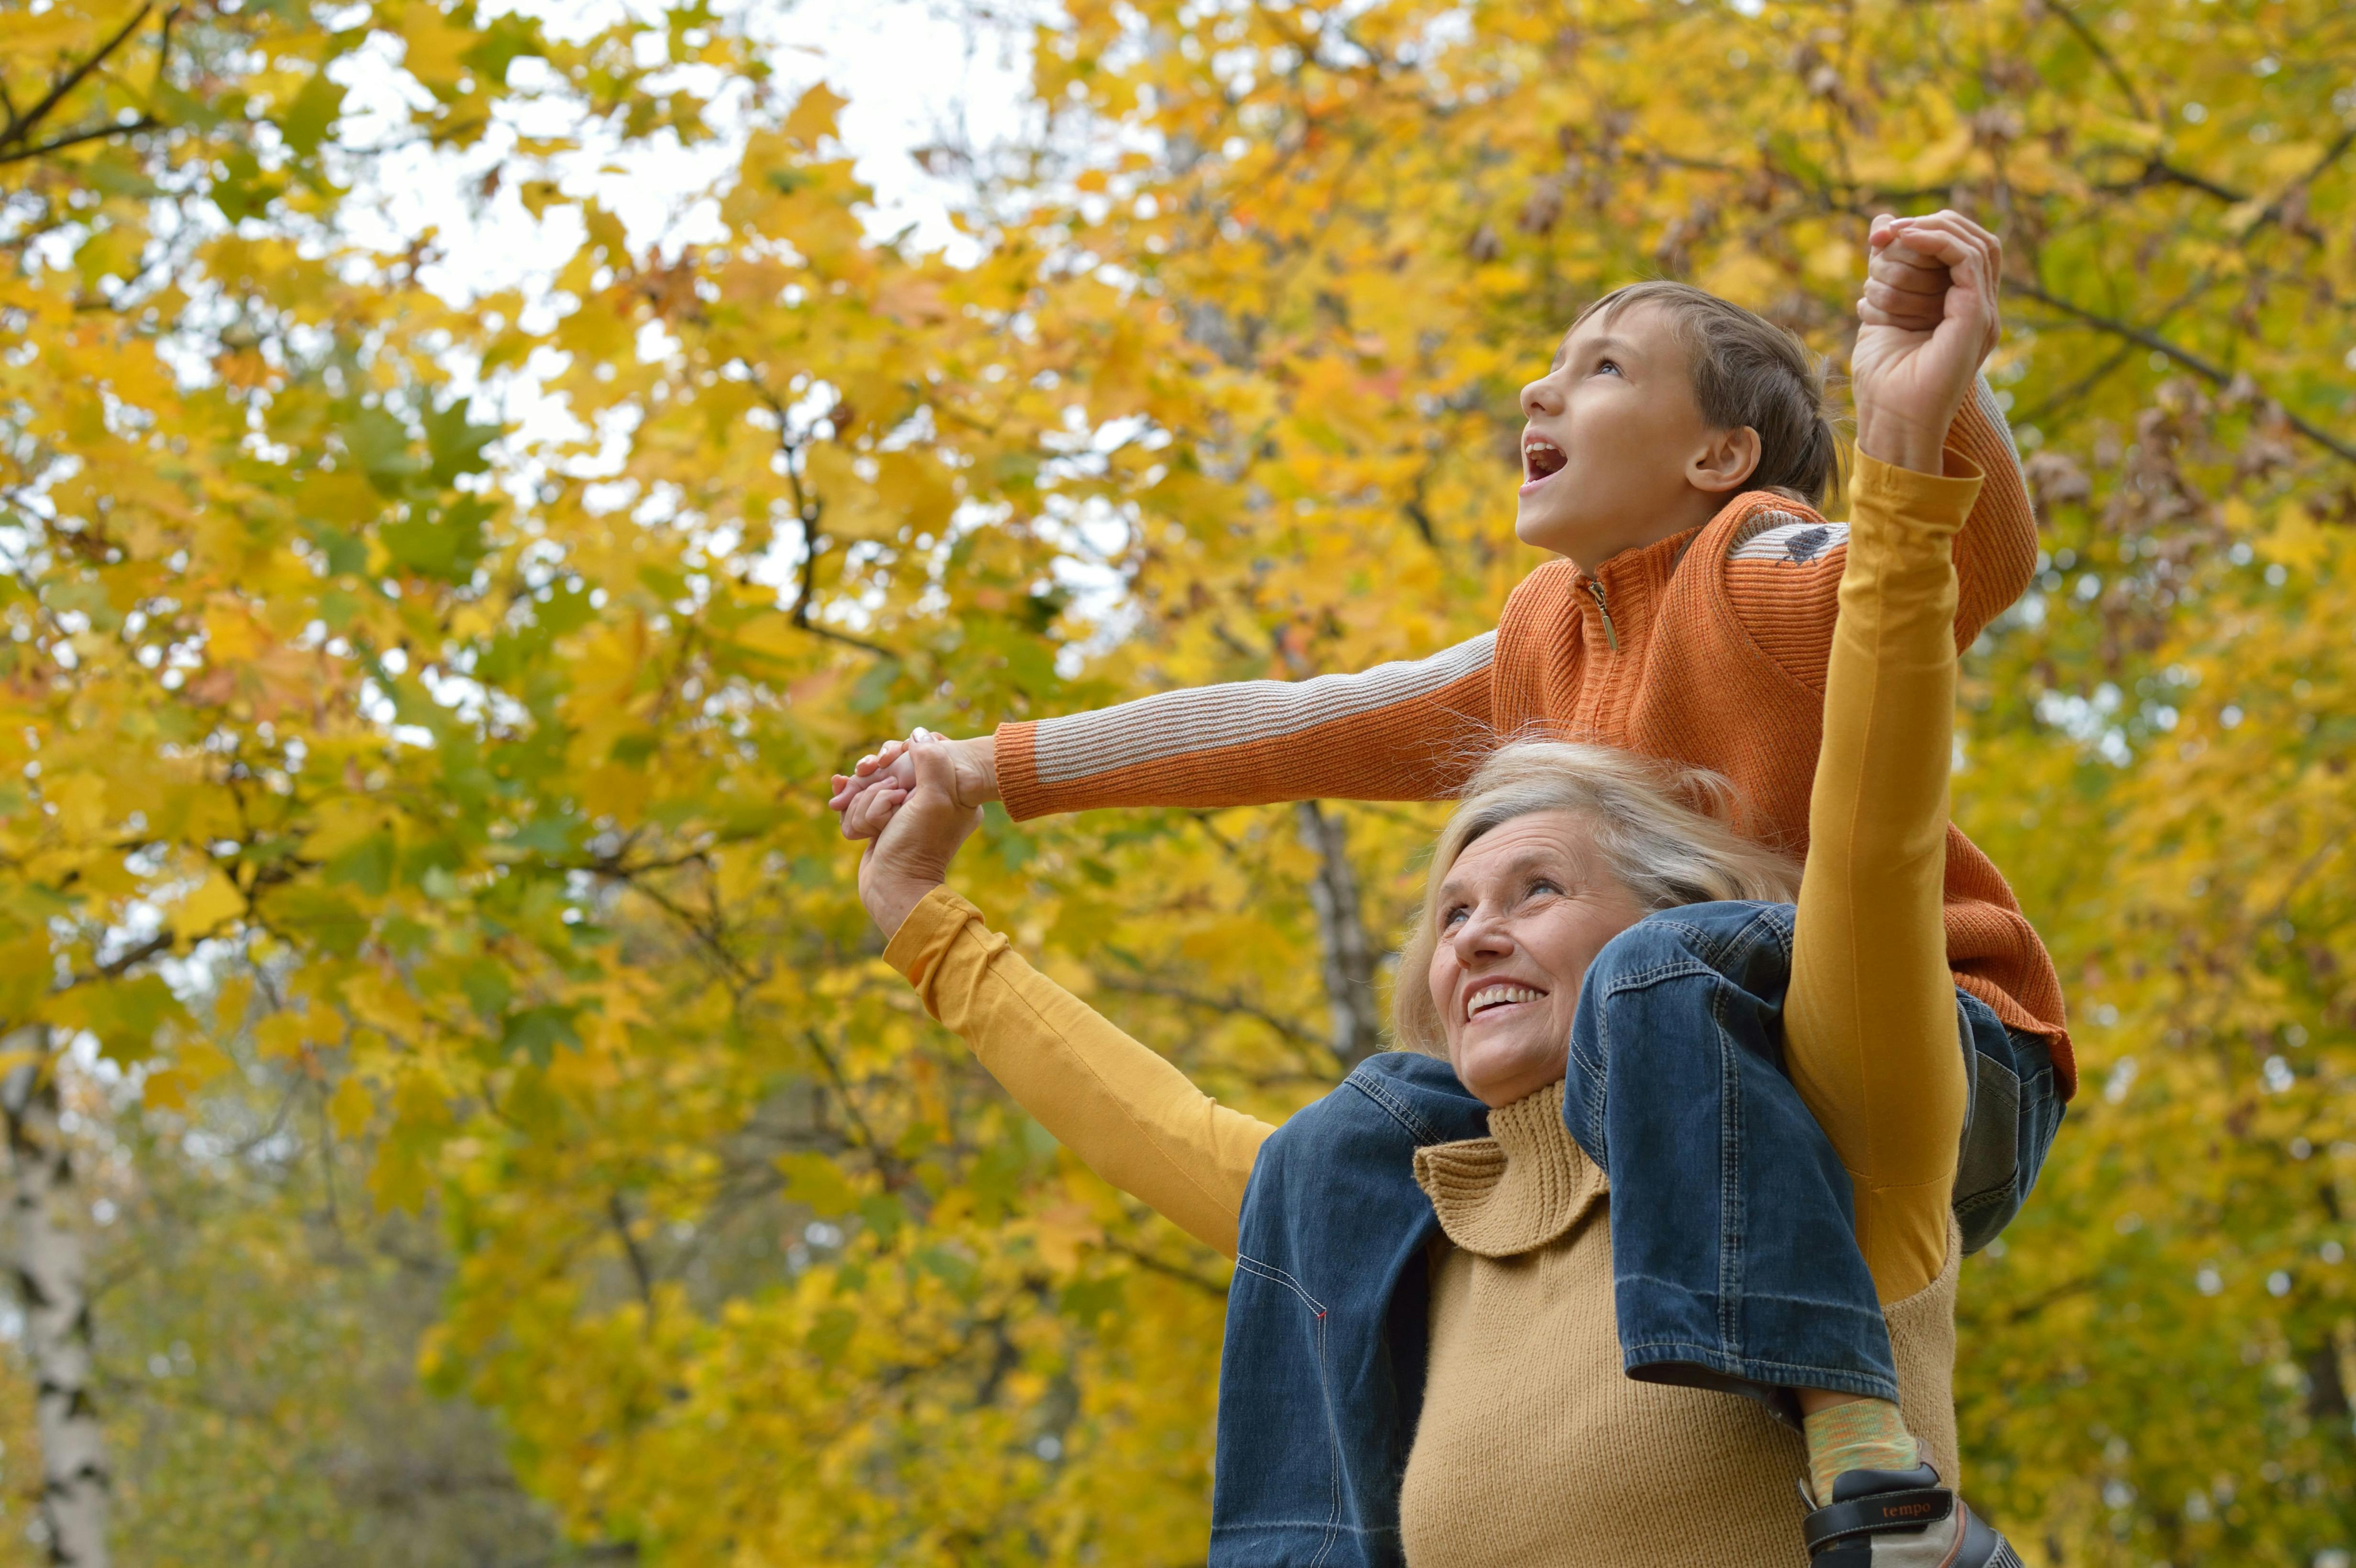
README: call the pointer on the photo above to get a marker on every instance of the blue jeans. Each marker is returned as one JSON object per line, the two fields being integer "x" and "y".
{"x": 1733, "y": 1238}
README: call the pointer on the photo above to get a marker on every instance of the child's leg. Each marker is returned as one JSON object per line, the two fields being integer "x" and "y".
{"x": 2015, "y": 1113}
{"x": 1734, "y": 1251}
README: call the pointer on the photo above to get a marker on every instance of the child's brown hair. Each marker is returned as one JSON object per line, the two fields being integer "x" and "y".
{"x": 1748, "y": 371}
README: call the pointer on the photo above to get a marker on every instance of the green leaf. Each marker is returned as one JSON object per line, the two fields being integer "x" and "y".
{"x": 456, "y": 443}
{"x": 326, "y": 920}
{"x": 445, "y": 544}
{"x": 367, "y": 865}
{"x": 536, "y": 1032}
{"x": 312, "y": 115}
{"x": 126, "y": 1015}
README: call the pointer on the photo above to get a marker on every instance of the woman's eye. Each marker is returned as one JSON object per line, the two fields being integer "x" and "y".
{"x": 1453, "y": 916}
{"x": 1543, "y": 886}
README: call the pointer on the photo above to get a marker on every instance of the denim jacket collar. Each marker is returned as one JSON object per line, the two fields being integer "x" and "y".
{"x": 1516, "y": 1191}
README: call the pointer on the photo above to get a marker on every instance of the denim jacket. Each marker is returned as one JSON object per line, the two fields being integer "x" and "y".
{"x": 1321, "y": 1378}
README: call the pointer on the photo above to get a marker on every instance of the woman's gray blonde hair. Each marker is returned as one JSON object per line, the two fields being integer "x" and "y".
{"x": 1663, "y": 832}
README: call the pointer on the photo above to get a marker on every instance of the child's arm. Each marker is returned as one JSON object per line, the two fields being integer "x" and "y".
{"x": 1409, "y": 731}
{"x": 1995, "y": 554}
{"x": 1783, "y": 572}
{"x": 1129, "y": 1115}
{"x": 1871, "y": 1031}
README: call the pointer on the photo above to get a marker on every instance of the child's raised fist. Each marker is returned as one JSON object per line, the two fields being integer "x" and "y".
{"x": 1927, "y": 319}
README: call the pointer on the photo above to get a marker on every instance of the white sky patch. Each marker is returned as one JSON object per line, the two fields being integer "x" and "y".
{"x": 931, "y": 85}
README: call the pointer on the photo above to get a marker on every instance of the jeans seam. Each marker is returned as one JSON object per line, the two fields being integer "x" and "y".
{"x": 1730, "y": 1173}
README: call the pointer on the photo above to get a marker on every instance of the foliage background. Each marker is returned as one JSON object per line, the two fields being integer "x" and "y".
{"x": 502, "y": 1140}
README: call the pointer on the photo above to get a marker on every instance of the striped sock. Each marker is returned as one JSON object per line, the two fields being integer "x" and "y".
{"x": 1863, "y": 1435}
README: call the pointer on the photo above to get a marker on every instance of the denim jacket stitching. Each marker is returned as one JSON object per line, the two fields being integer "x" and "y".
{"x": 1275, "y": 1276}
{"x": 1372, "y": 1087}
{"x": 1270, "y": 1272}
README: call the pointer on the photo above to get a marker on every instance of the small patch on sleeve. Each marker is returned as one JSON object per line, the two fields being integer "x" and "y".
{"x": 1779, "y": 537}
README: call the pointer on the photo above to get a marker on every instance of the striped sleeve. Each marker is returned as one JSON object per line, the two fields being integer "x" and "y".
{"x": 1409, "y": 731}
{"x": 1783, "y": 568}
{"x": 1995, "y": 555}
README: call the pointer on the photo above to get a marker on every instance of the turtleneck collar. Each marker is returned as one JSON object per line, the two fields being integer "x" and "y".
{"x": 1522, "y": 1187}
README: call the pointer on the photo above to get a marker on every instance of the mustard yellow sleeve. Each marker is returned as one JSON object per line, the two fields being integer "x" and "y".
{"x": 1131, "y": 1116}
{"x": 1871, "y": 1030}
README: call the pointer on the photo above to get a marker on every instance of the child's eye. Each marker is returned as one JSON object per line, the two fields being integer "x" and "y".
{"x": 1609, "y": 367}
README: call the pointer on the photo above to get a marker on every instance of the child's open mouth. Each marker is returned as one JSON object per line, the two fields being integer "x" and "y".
{"x": 1541, "y": 459}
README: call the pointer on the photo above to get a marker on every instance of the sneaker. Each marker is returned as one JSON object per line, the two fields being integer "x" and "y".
{"x": 1902, "y": 1518}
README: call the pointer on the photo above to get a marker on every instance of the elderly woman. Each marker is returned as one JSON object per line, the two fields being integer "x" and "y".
{"x": 1687, "y": 1141}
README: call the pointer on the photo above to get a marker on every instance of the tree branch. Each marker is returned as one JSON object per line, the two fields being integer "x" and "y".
{"x": 1231, "y": 1004}
{"x": 20, "y": 126}
{"x": 1178, "y": 1272}
{"x": 2109, "y": 62}
{"x": 2215, "y": 374}
{"x": 95, "y": 133}
{"x": 887, "y": 1165}
{"x": 639, "y": 1272}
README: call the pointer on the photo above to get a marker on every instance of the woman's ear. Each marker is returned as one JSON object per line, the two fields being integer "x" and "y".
{"x": 1726, "y": 458}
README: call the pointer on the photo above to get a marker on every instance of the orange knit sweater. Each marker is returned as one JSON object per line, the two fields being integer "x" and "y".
{"x": 1708, "y": 648}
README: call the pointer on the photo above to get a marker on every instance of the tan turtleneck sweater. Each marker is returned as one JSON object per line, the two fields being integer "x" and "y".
{"x": 1532, "y": 1437}
{"x": 1535, "y": 1449}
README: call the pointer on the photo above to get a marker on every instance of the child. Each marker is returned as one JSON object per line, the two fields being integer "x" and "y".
{"x": 1672, "y": 456}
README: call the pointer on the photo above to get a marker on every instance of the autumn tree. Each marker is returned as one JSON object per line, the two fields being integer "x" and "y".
{"x": 463, "y": 783}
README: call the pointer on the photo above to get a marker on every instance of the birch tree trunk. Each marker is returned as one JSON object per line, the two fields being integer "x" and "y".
{"x": 48, "y": 1260}
{"x": 1358, "y": 1025}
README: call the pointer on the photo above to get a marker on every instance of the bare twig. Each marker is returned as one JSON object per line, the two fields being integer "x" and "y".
{"x": 2215, "y": 374}
{"x": 1168, "y": 1270}
{"x": 2109, "y": 62}
{"x": 20, "y": 126}
{"x": 95, "y": 133}
{"x": 639, "y": 1272}
{"x": 1230, "y": 1004}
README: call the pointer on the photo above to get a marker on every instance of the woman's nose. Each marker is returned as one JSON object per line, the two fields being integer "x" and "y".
{"x": 1483, "y": 935}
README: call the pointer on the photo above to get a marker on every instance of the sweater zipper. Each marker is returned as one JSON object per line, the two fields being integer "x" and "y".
{"x": 1611, "y": 635}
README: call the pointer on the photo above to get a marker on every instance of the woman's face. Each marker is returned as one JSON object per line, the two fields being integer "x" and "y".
{"x": 1522, "y": 913}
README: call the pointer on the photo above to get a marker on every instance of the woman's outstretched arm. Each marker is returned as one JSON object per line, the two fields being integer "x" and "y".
{"x": 1129, "y": 1115}
{"x": 1871, "y": 1031}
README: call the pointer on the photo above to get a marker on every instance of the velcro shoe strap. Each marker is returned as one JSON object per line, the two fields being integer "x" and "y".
{"x": 1911, "y": 1510}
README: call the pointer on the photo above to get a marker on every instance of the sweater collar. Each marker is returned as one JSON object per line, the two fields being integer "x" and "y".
{"x": 1649, "y": 566}
{"x": 1519, "y": 1188}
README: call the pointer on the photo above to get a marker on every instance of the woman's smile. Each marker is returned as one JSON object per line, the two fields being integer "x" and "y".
{"x": 1495, "y": 999}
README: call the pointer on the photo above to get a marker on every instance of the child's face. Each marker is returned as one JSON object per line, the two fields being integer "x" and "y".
{"x": 1616, "y": 453}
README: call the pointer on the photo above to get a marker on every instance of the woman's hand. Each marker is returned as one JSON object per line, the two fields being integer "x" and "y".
{"x": 1928, "y": 319}
{"x": 889, "y": 765}
{"x": 921, "y": 826}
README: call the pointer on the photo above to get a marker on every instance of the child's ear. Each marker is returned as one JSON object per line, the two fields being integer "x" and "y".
{"x": 1726, "y": 458}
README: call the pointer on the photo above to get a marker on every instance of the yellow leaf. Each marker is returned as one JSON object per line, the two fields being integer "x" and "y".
{"x": 351, "y": 1106}
{"x": 215, "y": 901}
{"x": 231, "y": 635}
{"x": 166, "y": 1089}
{"x": 81, "y": 800}
{"x": 814, "y": 116}
{"x": 279, "y": 1037}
